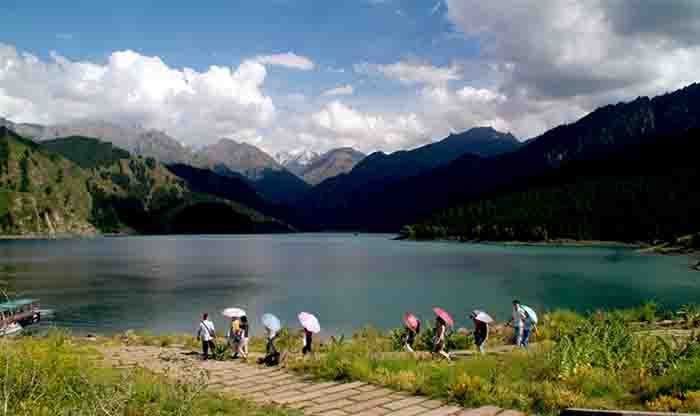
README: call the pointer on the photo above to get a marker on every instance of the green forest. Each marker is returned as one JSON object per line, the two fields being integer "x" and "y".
{"x": 648, "y": 195}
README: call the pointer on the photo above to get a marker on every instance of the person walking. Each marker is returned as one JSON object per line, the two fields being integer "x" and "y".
{"x": 272, "y": 357}
{"x": 243, "y": 345}
{"x": 207, "y": 333}
{"x": 308, "y": 340}
{"x": 481, "y": 333}
{"x": 528, "y": 325}
{"x": 517, "y": 321}
{"x": 410, "y": 337}
{"x": 440, "y": 340}
{"x": 234, "y": 336}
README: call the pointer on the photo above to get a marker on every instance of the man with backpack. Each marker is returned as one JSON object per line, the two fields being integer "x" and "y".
{"x": 206, "y": 332}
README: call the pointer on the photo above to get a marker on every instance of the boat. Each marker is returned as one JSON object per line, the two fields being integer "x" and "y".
{"x": 11, "y": 329}
{"x": 22, "y": 312}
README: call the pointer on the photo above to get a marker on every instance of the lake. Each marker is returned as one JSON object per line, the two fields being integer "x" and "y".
{"x": 163, "y": 283}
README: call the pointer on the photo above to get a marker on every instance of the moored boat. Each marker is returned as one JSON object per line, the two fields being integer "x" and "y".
{"x": 18, "y": 312}
{"x": 11, "y": 329}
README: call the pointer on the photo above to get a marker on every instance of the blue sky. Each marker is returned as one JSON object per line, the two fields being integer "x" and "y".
{"x": 373, "y": 74}
{"x": 188, "y": 34}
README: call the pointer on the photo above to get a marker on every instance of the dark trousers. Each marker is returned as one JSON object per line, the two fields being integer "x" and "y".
{"x": 306, "y": 349}
{"x": 205, "y": 348}
{"x": 270, "y": 347}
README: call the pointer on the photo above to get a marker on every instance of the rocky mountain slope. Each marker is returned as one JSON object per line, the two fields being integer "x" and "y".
{"x": 330, "y": 165}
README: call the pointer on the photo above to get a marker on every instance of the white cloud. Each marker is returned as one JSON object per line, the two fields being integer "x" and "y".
{"x": 366, "y": 131}
{"x": 342, "y": 90}
{"x": 584, "y": 54}
{"x": 135, "y": 89}
{"x": 412, "y": 72}
{"x": 289, "y": 60}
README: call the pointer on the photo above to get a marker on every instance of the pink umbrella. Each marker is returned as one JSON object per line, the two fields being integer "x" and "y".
{"x": 411, "y": 321}
{"x": 444, "y": 315}
{"x": 309, "y": 322}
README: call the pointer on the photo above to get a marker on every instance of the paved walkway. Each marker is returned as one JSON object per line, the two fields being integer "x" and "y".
{"x": 273, "y": 385}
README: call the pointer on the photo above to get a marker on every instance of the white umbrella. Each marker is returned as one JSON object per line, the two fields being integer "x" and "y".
{"x": 233, "y": 313}
{"x": 271, "y": 322}
{"x": 482, "y": 316}
{"x": 530, "y": 312}
{"x": 309, "y": 322}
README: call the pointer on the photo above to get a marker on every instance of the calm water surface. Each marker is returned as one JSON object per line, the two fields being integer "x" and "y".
{"x": 162, "y": 283}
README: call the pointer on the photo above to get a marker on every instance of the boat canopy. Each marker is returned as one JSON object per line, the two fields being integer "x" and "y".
{"x": 16, "y": 304}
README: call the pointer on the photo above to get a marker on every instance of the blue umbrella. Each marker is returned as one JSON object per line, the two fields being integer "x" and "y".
{"x": 531, "y": 313}
{"x": 271, "y": 322}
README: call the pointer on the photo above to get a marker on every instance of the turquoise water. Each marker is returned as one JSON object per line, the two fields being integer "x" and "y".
{"x": 162, "y": 283}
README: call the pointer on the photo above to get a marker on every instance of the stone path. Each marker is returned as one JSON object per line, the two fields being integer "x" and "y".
{"x": 274, "y": 385}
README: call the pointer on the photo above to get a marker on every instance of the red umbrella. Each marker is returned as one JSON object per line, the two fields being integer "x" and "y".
{"x": 444, "y": 315}
{"x": 411, "y": 321}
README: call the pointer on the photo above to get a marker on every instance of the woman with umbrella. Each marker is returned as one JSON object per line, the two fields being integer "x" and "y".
{"x": 412, "y": 329}
{"x": 234, "y": 333}
{"x": 481, "y": 329}
{"x": 311, "y": 326}
{"x": 244, "y": 331}
{"x": 440, "y": 341}
{"x": 272, "y": 325}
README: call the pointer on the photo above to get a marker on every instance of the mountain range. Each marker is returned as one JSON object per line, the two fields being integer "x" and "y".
{"x": 227, "y": 156}
{"x": 593, "y": 138}
{"x": 333, "y": 202}
{"x": 604, "y": 176}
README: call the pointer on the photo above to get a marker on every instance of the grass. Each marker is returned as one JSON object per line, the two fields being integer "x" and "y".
{"x": 600, "y": 360}
{"x": 56, "y": 375}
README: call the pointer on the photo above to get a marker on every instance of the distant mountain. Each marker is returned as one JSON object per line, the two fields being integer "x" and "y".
{"x": 230, "y": 158}
{"x": 314, "y": 168}
{"x": 330, "y": 164}
{"x": 333, "y": 200}
{"x": 239, "y": 157}
{"x": 296, "y": 162}
{"x": 136, "y": 140}
{"x": 80, "y": 185}
{"x": 610, "y": 129}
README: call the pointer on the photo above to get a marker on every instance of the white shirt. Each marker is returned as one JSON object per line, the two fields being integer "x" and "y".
{"x": 518, "y": 316}
{"x": 206, "y": 328}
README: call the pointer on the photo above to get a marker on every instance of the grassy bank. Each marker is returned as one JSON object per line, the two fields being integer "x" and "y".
{"x": 639, "y": 358}
{"x": 59, "y": 375}
{"x": 603, "y": 360}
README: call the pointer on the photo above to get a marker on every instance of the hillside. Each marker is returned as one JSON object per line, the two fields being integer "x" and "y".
{"x": 234, "y": 188}
{"x": 330, "y": 165}
{"x": 40, "y": 192}
{"x": 594, "y": 137}
{"x": 95, "y": 186}
{"x": 646, "y": 193}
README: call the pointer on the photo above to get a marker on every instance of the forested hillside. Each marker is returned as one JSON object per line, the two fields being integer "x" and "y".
{"x": 643, "y": 194}
{"x": 80, "y": 185}
{"x": 614, "y": 128}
